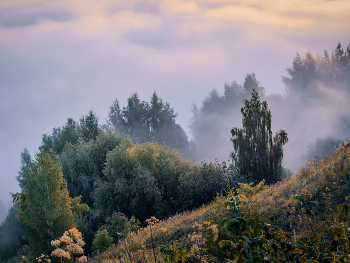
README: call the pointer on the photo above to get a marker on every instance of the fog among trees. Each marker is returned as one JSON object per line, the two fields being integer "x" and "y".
{"x": 140, "y": 162}
{"x": 315, "y": 105}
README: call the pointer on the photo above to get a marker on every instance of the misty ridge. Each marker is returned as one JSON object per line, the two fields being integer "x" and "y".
{"x": 315, "y": 106}
{"x": 128, "y": 169}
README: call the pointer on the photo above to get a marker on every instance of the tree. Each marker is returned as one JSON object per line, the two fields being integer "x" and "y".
{"x": 257, "y": 154}
{"x": 140, "y": 180}
{"x": 45, "y": 210}
{"x": 11, "y": 237}
{"x": 146, "y": 122}
{"x": 72, "y": 132}
{"x": 69, "y": 133}
{"x": 310, "y": 74}
{"x": 83, "y": 163}
{"x": 211, "y": 121}
{"x": 89, "y": 127}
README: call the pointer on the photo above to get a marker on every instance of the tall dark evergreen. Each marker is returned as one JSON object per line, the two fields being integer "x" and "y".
{"x": 145, "y": 122}
{"x": 89, "y": 127}
{"x": 257, "y": 153}
{"x": 72, "y": 132}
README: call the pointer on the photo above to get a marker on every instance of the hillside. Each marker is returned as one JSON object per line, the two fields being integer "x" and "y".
{"x": 302, "y": 219}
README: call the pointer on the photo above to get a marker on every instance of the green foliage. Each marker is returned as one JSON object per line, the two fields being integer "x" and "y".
{"x": 257, "y": 154}
{"x": 200, "y": 185}
{"x": 102, "y": 240}
{"x": 83, "y": 163}
{"x": 140, "y": 180}
{"x": 250, "y": 190}
{"x": 145, "y": 122}
{"x": 69, "y": 133}
{"x": 118, "y": 224}
{"x": 89, "y": 127}
{"x": 45, "y": 209}
{"x": 248, "y": 239}
{"x": 72, "y": 132}
{"x": 11, "y": 236}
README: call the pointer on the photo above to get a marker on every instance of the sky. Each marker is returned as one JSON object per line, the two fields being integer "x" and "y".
{"x": 62, "y": 58}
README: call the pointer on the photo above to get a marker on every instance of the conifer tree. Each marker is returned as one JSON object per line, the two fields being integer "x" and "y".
{"x": 257, "y": 154}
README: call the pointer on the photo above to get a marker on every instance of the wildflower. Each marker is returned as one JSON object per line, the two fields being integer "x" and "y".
{"x": 163, "y": 229}
{"x": 82, "y": 259}
{"x": 215, "y": 230}
{"x": 55, "y": 243}
{"x": 74, "y": 248}
{"x": 43, "y": 257}
{"x": 152, "y": 221}
{"x": 65, "y": 238}
{"x": 58, "y": 252}
{"x": 197, "y": 225}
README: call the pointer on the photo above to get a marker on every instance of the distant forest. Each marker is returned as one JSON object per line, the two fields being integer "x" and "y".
{"x": 140, "y": 162}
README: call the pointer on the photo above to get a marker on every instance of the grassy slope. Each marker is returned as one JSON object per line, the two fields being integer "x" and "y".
{"x": 327, "y": 181}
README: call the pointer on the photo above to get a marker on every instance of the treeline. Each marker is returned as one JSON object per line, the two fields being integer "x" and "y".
{"x": 133, "y": 166}
{"x": 118, "y": 180}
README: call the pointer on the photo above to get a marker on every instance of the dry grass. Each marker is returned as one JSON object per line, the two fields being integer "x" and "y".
{"x": 330, "y": 177}
{"x": 171, "y": 232}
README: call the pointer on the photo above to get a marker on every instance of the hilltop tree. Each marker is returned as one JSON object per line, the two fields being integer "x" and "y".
{"x": 145, "y": 122}
{"x": 257, "y": 154}
{"x": 307, "y": 73}
{"x": 72, "y": 132}
{"x": 45, "y": 210}
{"x": 89, "y": 127}
{"x": 210, "y": 122}
{"x": 69, "y": 133}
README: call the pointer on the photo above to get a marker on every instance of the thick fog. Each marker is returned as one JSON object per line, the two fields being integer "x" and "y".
{"x": 315, "y": 105}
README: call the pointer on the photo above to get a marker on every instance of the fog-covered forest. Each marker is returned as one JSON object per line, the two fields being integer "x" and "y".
{"x": 107, "y": 178}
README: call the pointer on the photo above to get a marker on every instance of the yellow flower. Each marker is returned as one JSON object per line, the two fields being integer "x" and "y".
{"x": 55, "y": 243}
{"x": 58, "y": 252}
{"x": 76, "y": 249}
{"x": 65, "y": 238}
{"x": 81, "y": 259}
{"x": 163, "y": 229}
{"x": 215, "y": 230}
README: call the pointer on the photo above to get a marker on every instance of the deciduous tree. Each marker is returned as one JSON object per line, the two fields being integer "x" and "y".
{"x": 257, "y": 153}
{"x": 45, "y": 209}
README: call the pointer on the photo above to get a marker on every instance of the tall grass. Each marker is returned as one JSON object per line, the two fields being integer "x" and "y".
{"x": 173, "y": 231}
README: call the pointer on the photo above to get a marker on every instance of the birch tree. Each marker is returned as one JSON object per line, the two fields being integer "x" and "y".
{"x": 257, "y": 153}
{"x": 45, "y": 209}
